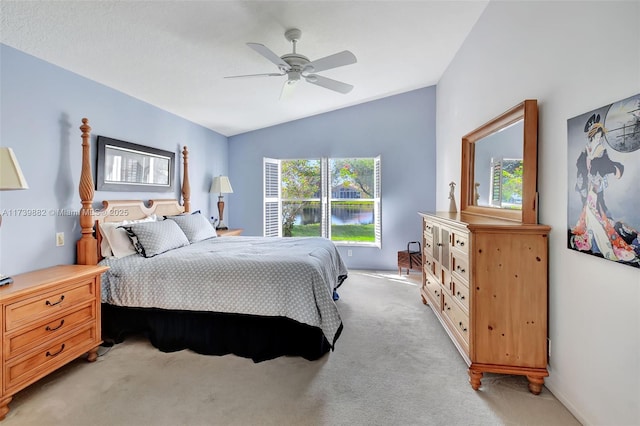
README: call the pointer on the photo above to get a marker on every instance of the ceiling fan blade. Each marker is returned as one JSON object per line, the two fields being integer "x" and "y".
{"x": 328, "y": 83}
{"x": 268, "y": 53}
{"x": 273, "y": 74}
{"x": 288, "y": 88}
{"x": 332, "y": 61}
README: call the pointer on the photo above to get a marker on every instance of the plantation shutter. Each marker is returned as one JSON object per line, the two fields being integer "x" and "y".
{"x": 496, "y": 182}
{"x": 272, "y": 201}
{"x": 325, "y": 198}
{"x": 377, "y": 210}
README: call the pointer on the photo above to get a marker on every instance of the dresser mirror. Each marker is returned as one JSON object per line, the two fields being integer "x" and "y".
{"x": 500, "y": 164}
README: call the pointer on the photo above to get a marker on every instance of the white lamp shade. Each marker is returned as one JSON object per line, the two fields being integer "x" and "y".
{"x": 221, "y": 184}
{"x": 11, "y": 176}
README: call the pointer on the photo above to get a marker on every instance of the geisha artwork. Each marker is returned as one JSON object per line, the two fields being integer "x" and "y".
{"x": 604, "y": 182}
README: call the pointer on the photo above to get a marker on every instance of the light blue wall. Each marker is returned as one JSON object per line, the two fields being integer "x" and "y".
{"x": 400, "y": 128}
{"x": 41, "y": 109}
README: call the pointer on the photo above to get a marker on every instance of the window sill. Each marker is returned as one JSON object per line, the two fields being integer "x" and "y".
{"x": 355, "y": 244}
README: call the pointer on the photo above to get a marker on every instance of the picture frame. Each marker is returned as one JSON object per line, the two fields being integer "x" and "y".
{"x": 129, "y": 167}
{"x": 603, "y": 212}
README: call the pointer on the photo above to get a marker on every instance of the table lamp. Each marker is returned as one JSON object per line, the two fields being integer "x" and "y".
{"x": 11, "y": 178}
{"x": 221, "y": 185}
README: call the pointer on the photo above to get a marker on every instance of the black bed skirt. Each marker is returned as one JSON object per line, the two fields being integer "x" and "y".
{"x": 256, "y": 337}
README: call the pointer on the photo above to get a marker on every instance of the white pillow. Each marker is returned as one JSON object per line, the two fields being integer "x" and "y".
{"x": 117, "y": 238}
{"x": 105, "y": 248}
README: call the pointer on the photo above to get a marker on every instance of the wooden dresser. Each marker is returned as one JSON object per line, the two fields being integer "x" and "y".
{"x": 486, "y": 281}
{"x": 49, "y": 318}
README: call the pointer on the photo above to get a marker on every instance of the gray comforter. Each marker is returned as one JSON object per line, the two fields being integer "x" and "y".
{"x": 288, "y": 277}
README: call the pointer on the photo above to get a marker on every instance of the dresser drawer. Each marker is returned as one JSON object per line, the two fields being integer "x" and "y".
{"x": 458, "y": 318}
{"x": 428, "y": 228}
{"x": 46, "y": 358}
{"x": 428, "y": 246}
{"x": 460, "y": 264}
{"x": 460, "y": 241}
{"x": 38, "y": 307}
{"x": 460, "y": 292}
{"x": 433, "y": 289}
{"x": 429, "y": 264}
{"x": 22, "y": 341}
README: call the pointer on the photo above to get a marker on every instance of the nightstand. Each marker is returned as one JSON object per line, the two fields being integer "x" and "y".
{"x": 49, "y": 318}
{"x": 229, "y": 232}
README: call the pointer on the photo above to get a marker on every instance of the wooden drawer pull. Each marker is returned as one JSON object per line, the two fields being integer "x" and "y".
{"x": 55, "y": 328}
{"x": 55, "y": 303}
{"x": 461, "y": 296}
{"x": 57, "y": 353}
{"x": 460, "y": 243}
{"x": 460, "y": 269}
{"x": 463, "y": 328}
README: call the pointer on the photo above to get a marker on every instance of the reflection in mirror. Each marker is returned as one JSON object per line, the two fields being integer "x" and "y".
{"x": 498, "y": 169}
{"x": 125, "y": 166}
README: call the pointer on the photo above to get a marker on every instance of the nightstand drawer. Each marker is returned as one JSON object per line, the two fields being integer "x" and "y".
{"x": 20, "y": 342}
{"x": 41, "y": 306}
{"x": 46, "y": 358}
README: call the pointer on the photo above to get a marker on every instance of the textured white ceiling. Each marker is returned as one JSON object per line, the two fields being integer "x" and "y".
{"x": 174, "y": 54}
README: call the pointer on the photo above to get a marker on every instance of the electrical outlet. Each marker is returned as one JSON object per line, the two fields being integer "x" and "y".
{"x": 59, "y": 239}
{"x": 349, "y": 253}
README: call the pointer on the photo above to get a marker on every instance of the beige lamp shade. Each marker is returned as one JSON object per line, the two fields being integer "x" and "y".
{"x": 11, "y": 176}
{"x": 221, "y": 185}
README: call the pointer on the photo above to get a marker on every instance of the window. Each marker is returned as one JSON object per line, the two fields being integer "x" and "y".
{"x": 506, "y": 183}
{"x": 336, "y": 198}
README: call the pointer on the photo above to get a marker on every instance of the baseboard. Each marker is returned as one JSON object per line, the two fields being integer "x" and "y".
{"x": 567, "y": 403}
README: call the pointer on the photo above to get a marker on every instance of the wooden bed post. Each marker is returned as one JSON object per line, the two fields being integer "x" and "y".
{"x": 86, "y": 248}
{"x": 186, "y": 188}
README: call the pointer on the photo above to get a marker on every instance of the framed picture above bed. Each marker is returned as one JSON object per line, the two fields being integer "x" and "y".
{"x": 126, "y": 166}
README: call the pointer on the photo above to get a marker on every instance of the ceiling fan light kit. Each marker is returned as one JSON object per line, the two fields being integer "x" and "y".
{"x": 296, "y": 66}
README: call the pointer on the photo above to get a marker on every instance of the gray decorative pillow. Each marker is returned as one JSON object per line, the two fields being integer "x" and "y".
{"x": 152, "y": 238}
{"x": 195, "y": 226}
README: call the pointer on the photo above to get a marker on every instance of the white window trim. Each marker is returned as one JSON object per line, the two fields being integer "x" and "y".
{"x": 325, "y": 200}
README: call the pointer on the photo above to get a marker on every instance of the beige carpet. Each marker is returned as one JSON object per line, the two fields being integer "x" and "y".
{"x": 393, "y": 365}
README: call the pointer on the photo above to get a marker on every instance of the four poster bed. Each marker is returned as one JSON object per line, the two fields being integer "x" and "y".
{"x": 172, "y": 279}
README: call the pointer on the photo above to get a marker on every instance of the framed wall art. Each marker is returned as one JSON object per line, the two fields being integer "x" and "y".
{"x": 125, "y": 166}
{"x": 603, "y": 214}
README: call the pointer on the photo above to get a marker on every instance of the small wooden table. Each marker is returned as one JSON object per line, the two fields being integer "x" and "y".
{"x": 48, "y": 318}
{"x": 410, "y": 259}
{"x": 229, "y": 232}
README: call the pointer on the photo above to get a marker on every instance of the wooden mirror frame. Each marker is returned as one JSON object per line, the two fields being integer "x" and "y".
{"x": 528, "y": 111}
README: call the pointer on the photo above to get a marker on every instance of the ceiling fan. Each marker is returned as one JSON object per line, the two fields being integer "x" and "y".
{"x": 296, "y": 66}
